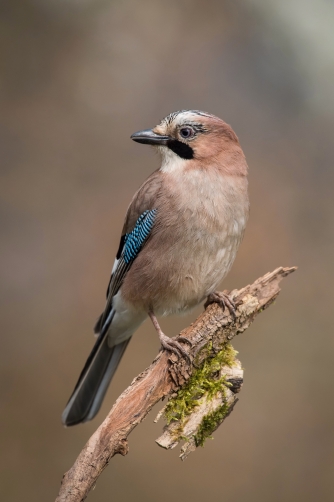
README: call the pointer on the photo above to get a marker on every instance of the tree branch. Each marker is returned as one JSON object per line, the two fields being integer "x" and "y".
{"x": 209, "y": 336}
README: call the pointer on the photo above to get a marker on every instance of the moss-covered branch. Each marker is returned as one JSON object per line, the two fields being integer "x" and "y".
{"x": 202, "y": 394}
{"x": 195, "y": 411}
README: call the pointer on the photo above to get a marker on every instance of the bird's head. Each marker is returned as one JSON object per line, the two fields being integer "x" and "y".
{"x": 195, "y": 139}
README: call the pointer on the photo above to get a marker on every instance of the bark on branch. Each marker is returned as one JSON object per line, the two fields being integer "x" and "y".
{"x": 168, "y": 377}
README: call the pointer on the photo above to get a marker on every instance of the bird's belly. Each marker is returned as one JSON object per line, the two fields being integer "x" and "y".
{"x": 188, "y": 271}
{"x": 193, "y": 278}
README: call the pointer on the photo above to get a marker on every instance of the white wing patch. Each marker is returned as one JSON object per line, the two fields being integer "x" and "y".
{"x": 114, "y": 266}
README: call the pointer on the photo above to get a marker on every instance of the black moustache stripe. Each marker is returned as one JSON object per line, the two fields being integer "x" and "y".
{"x": 181, "y": 149}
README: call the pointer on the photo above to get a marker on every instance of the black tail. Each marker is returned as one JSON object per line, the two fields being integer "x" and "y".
{"x": 94, "y": 381}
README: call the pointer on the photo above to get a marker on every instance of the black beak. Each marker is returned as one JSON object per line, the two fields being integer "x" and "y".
{"x": 148, "y": 137}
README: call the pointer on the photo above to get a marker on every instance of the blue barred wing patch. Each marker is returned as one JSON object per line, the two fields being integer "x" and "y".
{"x": 134, "y": 240}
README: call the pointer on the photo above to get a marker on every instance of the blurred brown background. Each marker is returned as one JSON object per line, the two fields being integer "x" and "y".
{"x": 77, "y": 78}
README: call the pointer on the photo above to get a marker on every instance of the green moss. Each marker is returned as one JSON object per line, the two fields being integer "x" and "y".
{"x": 203, "y": 381}
{"x": 210, "y": 423}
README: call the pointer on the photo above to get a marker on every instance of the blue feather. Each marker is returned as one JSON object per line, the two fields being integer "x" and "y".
{"x": 134, "y": 240}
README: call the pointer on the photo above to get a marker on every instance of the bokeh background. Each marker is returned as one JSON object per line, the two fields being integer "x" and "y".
{"x": 77, "y": 78}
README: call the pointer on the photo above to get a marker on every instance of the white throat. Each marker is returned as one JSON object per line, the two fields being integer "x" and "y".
{"x": 171, "y": 162}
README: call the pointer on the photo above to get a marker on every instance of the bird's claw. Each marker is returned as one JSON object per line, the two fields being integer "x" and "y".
{"x": 223, "y": 300}
{"x": 185, "y": 340}
{"x": 174, "y": 346}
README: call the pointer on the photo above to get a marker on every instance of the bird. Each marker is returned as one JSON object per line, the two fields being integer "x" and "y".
{"x": 180, "y": 237}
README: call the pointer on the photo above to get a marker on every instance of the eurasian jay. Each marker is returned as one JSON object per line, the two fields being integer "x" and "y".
{"x": 181, "y": 234}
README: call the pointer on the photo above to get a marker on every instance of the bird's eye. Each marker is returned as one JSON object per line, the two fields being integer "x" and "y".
{"x": 186, "y": 132}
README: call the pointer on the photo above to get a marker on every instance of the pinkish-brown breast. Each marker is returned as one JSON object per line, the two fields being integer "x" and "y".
{"x": 201, "y": 217}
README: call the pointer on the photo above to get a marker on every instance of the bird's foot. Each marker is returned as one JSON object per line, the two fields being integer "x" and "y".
{"x": 223, "y": 300}
{"x": 170, "y": 344}
{"x": 185, "y": 340}
{"x": 174, "y": 346}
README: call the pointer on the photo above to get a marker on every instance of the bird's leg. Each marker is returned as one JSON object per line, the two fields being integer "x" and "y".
{"x": 169, "y": 343}
{"x": 223, "y": 300}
